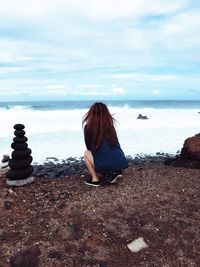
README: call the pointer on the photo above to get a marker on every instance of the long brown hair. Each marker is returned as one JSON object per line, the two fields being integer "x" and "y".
{"x": 100, "y": 124}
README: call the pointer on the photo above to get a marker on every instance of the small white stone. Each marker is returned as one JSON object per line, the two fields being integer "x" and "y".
{"x": 10, "y": 191}
{"x": 4, "y": 165}
{"x": 137, "y": 245}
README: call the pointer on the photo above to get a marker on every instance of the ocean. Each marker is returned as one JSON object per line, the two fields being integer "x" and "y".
{"x": 54, "y": 128}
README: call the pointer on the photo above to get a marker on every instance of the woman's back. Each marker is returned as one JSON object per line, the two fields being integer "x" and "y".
{"x": 101, "y": 139}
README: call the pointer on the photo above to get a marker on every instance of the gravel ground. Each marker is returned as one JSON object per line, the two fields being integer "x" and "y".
{"x": 63, "y": 222}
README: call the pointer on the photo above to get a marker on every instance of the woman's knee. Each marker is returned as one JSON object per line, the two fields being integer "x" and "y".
{"x": 88, "y": 155}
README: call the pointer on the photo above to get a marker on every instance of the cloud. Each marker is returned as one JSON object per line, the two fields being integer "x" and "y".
{"x": 181, "y": 30}
{"x": 118, "y": 90}
{"x": 156, "y": 92}
{"x": 196, "y": 91}
{"x": 26, "y": 9}
{"x": 90, "y": 86}
{"x": 95, "y": 9}
{"x": 57, "y": 92}
{"x": 89, "y": 92}
{"x": 56, "y": 86}
{"x": 9, "y": 93}
{"x": 10, "y": 70}
{"x": 169, "y": 34}
{"x": 144, "y": 77}
{"x": 98, "y": 47}
{"x": 127, "y": 8}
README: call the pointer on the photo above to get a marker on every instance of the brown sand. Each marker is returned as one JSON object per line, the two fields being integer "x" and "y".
{"x": 77, "y": 225}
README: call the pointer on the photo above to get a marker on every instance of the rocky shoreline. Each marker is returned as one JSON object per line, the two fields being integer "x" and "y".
{"x": 60, "y": 221}
{"x": 53, "y": 168}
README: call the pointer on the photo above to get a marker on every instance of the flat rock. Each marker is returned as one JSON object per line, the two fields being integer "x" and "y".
{"x": 20, "y": 182}
{"x": 137, "y": 245}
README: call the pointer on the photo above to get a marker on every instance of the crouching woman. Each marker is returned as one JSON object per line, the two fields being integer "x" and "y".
{"x": 104, "y": 155}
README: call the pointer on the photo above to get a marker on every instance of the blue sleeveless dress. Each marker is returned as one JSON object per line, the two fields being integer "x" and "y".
{"x": 107, "y": 158}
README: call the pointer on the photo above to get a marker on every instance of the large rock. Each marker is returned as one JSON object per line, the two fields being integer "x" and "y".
{"x": 191, "y": 148}
{"x": 190, "y": 154}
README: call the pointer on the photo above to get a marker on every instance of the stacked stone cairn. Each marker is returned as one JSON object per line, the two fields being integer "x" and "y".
{"x": 20, "y": 163}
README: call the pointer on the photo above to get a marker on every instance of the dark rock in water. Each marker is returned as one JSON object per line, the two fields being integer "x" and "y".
{"x": 20, "y": 165}
{"x": 52, "y": 158}
{"x": 190, "y": 154}
{"x": 142, "y": 117}
{"x": 26, "y": 258}
{"x": 71, "y": 159}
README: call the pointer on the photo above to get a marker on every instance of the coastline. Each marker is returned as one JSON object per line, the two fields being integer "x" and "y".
{"x": 54, "y": 168}
{"x": 72, "y": 224}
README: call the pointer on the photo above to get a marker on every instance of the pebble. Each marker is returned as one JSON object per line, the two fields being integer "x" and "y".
{"x": 10, "y": 191}
{"x": 8, "y": 204}
{"x": 137, "y": 245}
{"x": 55, "y": 255}
{"x": 68, "y": 232}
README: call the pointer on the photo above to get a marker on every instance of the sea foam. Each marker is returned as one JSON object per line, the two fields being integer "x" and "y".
{"x": 59, "y": 133}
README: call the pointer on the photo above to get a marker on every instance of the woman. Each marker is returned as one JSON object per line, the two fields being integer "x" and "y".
{"x": 103, "y": 155}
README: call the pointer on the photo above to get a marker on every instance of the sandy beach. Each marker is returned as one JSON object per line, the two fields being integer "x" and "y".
{"x": 72, "y": 224}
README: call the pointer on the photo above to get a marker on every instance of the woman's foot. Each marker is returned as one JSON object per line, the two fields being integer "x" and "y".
{"x": 115, "y": 176}
{"x": 92, "y": 183}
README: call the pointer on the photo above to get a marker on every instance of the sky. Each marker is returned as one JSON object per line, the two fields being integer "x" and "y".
{"x": 99, "y": 49}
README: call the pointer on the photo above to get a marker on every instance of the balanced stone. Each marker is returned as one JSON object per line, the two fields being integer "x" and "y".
{"x": 20, "y": 174}
{"x": 21, "y": 154}
{"x": 19, "y": 126}
{"x": 19, "y": 133}
{"x": 19, "y": 146}
{"x": 20, "y": 139}
{"x": 20, "y": 164}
